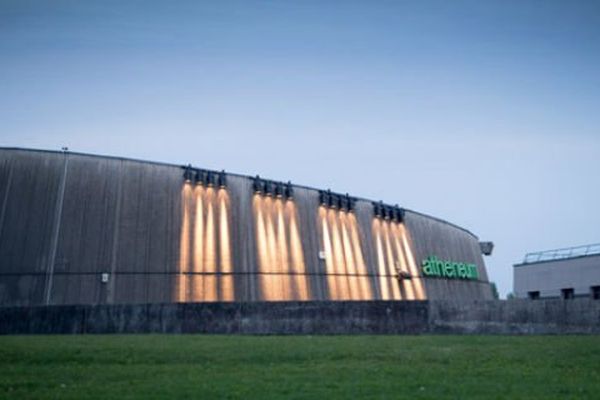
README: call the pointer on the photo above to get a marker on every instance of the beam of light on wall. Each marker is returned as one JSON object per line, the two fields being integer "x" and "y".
{"x": 226, "y": 292}
{"x": 184, "y": 243}
{"x": 392, "y": 260}
{"x": 197, "y": 280}
{"x": 274, "y": 269}
{"x": 381, "y": 267}
{"x": 355, "y": 292}
{"x": 290, "y": 289}
{"x": 263, "y": 248}
{"x": 287, "y": 287}
{"x": 298, "y": 265}
{"x": 361, "y": 268}
{"x": 407, "y": 284}
{"x": 280, "y": 255}
{"x": 345, "y": 266}
{"x": 417, "y": 281}
{"x": 395, "y": 258}
{"x": 338, "y": 257}
{"x": 205, "y": 263}
{"x": 210, "y": 252}
{"x": 210, "y": 249}
{"x": 329, "y": 262}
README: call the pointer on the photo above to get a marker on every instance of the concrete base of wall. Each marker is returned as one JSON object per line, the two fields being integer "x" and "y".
{"x": 368, "y": 317}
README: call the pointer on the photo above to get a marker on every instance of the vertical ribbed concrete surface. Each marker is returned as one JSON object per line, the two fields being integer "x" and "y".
{"x": 82, "y": 229}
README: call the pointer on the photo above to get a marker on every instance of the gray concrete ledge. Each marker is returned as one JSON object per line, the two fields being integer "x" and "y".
{"x": 578, "y": 316}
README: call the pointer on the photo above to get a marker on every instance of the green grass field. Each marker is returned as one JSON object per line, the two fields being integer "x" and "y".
{"x": 299, "y": 367}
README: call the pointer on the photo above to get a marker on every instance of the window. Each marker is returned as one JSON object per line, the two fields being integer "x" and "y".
{"x": 534, "y": 295}
{"x": 567, "y": 293}
{"x": 595, "y": 292}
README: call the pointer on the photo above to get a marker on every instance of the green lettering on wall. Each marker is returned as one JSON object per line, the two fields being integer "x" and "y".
{"x": 432, "y": 266}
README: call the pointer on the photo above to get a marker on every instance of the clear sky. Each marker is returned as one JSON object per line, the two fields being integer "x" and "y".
{"x": 484, "y": 113}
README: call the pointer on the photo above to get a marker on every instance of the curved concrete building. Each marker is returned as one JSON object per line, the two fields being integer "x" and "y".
{"x": 86, "y": 229}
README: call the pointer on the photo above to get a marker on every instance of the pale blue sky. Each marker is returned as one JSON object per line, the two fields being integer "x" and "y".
{"x": 482, "y": 113}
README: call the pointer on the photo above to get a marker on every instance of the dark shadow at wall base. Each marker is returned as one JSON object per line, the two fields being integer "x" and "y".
{"x": 580, "y": 316}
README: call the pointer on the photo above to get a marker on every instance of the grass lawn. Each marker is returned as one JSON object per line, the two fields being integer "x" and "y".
{"x": 299, "y": 367}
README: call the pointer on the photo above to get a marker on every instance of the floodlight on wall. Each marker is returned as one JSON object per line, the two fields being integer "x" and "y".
{"x": 289, "y": 191}
{"x": 222, "y": 179}
{"x": 350, "y": 202}
{"x": 343, "y": 202}
{"x": 200, "y": 177}
{"x": 279, "y": 190}
{"x": 333, "y": 201}
{"x": 377, "y": 210}
{"x": 210, "y": 179}
{"x": 257, "y": 185}
{"x": 336, "y": 201}
{"x": 397, "y": 214}
{"x": 269, "y": 188}
{"x": 388, "y": 212}
{"x": 324, "y": 198}
{"x": 187, "y": 174}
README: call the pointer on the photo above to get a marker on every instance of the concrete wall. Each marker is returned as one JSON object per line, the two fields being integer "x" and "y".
{"x": 581, "y": 316}
{"x": 66, "y": 219}
{"x": 433, "y": 237}
{"x": 550, "y": 277}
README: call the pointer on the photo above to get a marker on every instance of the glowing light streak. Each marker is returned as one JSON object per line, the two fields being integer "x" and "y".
{"x": 391, "y": 265}
{"x": 204, "y": 219}
{"x": 263, "y": 249}
{"x": 184, "y": 244}
{"x": 408, "y": 284}
{"x": 355, "y": 291}
{"x": 382, "y": 268}
{"x": 280, "y": 255}
{"x": 275, "y": 284}
{"x": 329, "y": 262}
{"x": 360, "y": 262}
{"x": 418, "y": 283}
{"x": 338, "y": 257}
{"x": 226, "y": 287}
{"x": 196, "y": 281}
{"x": 209, "y": 243}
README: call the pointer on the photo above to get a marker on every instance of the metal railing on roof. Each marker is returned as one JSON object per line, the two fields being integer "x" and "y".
{"x": 558, "y": 254}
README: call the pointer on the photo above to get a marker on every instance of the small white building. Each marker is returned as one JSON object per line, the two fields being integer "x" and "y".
{"x": 560, "y": 273}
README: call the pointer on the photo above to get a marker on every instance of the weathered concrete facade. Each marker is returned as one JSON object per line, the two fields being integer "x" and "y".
{"x": 553, "y": 278}
{"x": 580, "y": 316}
{"x": 83, "y": 229}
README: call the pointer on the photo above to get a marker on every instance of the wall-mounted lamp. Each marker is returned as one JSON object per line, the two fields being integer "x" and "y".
{"x": 333, "y": 201}
{"x": 203, "y": 177}
{"x": 187, "y": 174}
{"x": 324, "y": 198}
{"x": 257, "y": 185}
{"x": 279, "y": 190}
{"x": 343, "y": 203}
{"x": 387, "y": 212}
{"x": 200, "y": 177}
{"x": 289, "y": 190}
{"x": 336, "y": 201}
{"x": 351, "y": 203}
{"x": 210, "y": 179}
{"x": 222, "y": 179}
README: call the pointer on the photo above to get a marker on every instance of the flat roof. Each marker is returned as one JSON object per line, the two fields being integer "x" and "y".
{"x": 560, "y": 254}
